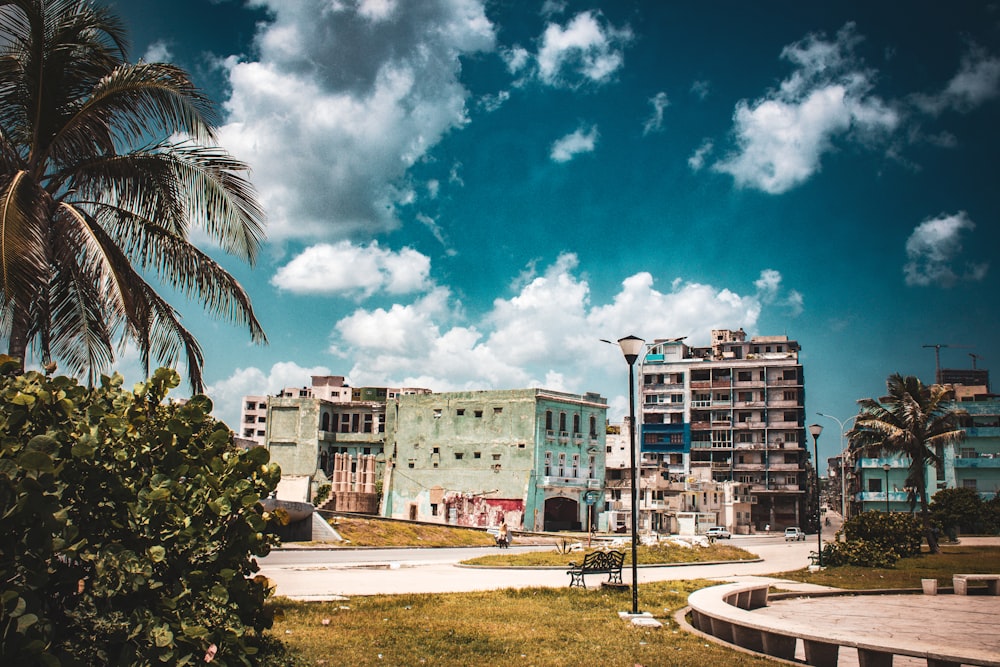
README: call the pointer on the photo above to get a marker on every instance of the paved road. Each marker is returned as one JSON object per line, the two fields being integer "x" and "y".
{"x": 326, "y": 574}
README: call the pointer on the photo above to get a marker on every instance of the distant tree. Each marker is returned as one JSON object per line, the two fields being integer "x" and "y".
{"x": 914, "y": 421}
{"x": 958, "y": 509}
{"x": 105, "y": 168}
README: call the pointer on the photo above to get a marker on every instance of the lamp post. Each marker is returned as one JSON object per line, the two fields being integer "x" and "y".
{"x": 843, "y": 451}
{"x": 815, "y": 430}
{"x": 631, "y": 347}
{"x": 886, "y": 468}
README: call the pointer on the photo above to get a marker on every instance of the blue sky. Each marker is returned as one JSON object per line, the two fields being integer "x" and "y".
{"x": 469, "y": 195}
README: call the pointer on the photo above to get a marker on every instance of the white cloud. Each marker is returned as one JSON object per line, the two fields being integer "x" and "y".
{"x": 934, "y": 248}
{"x": 490, "y": 103}
{"x": 654, "y": 123}
{"x": 769, "y": 292}
{"x": 331, "y": 121}
{"x": 158, "y": 52}
{"x": 697, "y": 159}
{"x": 545, "y": 334}
{"x": 976, "y": 82}
{"x": 573, "y": 144}
{"x": 344, "y": 268}
{"x": 781, "y": 138}
{"x": 585, "y": 51}
{"x": 517, "y": 58}
{"x": 700, "y": 89}
{"x": 227, "y": 394}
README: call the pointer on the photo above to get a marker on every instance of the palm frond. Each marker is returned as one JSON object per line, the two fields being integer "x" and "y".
{"x": 23, "y": 260}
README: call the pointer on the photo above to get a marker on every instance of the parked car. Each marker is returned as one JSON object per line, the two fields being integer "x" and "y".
{"x": 718, "y": 532}
{"x": 793, "y": 534}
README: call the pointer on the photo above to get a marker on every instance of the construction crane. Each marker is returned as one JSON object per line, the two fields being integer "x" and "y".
{"x": 974, "y": 358}
{"x": 937, "y": 358}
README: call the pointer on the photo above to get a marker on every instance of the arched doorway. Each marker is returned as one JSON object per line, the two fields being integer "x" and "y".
{"x": 562, "y": 514}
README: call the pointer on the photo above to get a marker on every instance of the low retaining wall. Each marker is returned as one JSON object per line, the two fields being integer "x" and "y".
{"x": 726, "y": 613}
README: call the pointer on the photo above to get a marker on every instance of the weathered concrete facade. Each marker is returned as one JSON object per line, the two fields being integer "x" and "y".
{"x": 732, "y": 411}
{"x": 329, "y": 443}
{"x": 532, "y": 457}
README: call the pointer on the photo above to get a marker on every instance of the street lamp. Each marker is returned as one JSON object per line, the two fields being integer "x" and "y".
{"x": 631, "y": 347}
{"x": 843, "y": 451}
{"x": 886, "y": 468}
{"x": 815, "y": 430}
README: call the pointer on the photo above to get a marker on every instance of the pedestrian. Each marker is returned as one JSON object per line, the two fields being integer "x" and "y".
{"x": 767, "y": 528}
{"x": 503, "y": 535}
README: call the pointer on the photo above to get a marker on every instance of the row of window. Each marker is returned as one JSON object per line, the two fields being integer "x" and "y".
{"x": 461, "y": 412}
{"x": 572, "y": 469}
{"x": 352, "y": 422}
{"x": 725, "y": 375}
{"x": 549, "y": 423}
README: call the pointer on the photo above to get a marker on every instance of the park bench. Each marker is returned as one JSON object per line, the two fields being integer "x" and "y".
{"x": 961, "y": 583}
{"x": 598, "y": 562}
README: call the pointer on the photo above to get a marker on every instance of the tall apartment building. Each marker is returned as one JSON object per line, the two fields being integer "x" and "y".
{"x": 733, "y": 411}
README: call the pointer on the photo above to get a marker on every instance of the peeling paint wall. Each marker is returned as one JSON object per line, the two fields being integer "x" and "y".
{"x": 474, "y": 458}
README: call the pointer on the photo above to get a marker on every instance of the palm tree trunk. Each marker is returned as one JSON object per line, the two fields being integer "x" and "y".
{"x": 17, "y": 344}
{"x": 925, "y": 516}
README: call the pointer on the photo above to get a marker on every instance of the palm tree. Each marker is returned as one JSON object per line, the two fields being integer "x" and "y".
{"x": 914, "y": 421}
{"x": 105, "y": 168}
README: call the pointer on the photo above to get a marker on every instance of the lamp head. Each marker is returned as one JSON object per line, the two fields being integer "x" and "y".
{"x": 815, "y": 430}
{"x": 631, "y": 347}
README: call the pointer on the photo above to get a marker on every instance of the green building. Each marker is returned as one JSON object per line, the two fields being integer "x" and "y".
{"x": 532, "y": 457}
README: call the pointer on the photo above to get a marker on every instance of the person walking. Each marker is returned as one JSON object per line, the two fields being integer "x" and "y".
{"x": 503, "y": 535}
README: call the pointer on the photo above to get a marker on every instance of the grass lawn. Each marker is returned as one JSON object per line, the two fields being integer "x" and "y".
{"x": 646, "y": 555}
{"x": 376, "y": 532}
{"x": 908, "y": 571}
{"x": 537, "y": 626}
{"x": 543, "y": 627}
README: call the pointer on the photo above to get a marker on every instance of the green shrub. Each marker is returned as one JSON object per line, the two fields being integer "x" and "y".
{"x": 128, "y": 526}
{"x": 322, "y": 494}
{"x": 961, "y": 509}
{"x": 875, "y": 539}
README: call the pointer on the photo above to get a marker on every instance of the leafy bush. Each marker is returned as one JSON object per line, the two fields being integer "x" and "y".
{"x": 128, "y": 527}
{"x": 961, "y": 509}
{"x": 875, "y": 539}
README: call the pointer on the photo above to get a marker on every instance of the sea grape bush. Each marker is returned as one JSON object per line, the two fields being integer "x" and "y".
{"x": 129, "y": 527}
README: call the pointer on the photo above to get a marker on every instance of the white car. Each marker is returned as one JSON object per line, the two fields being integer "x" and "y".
{"x": 718, "y": 532}
{"x": 794, "y": 534}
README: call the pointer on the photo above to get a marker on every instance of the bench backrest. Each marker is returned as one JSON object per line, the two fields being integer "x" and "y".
{"x": 603, "y": 560}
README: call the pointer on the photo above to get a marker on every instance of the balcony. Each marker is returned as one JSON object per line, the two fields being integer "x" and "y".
{"x": 743, "y": 426}
{"x": 564, "y": 481}
{"x": 982, "y": 431}
{"x": 977, "y": 462}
